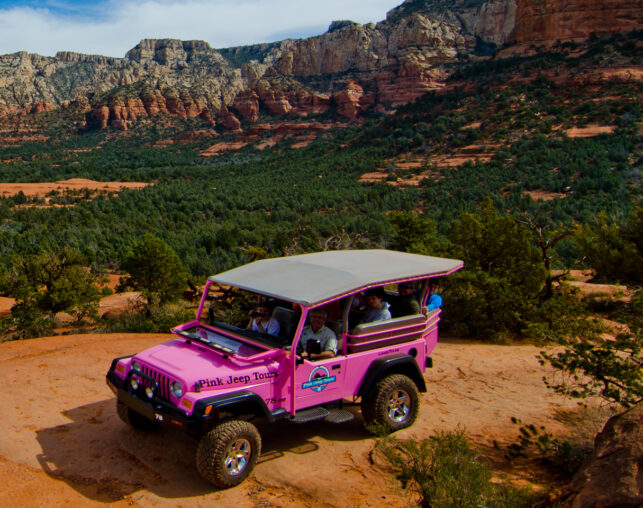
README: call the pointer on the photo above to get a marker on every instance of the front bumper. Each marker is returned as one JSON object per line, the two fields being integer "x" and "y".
{"x": 154, "y": 409}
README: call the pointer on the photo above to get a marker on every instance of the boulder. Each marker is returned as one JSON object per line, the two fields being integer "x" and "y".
{"x": 613, "y": 477}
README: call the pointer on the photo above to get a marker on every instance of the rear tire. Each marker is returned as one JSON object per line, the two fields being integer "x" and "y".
{"x": 133, "y": 419}
{"x": 227, "y": 454}
{"x": 392, "y": 404}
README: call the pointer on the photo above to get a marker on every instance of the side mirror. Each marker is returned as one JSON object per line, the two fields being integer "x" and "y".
{"x": 313, "y": 347}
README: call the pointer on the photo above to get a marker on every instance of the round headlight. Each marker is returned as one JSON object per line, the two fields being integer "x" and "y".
{"x": 136, "y": 366}
{"x": 177, "y": 389}
{"x": 134, "y": 383}
{"x": 149, "y": 392}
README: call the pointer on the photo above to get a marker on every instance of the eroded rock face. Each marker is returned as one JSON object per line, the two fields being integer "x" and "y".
{"x": 351, "y": 68}
{"x": 492, "y": 21}
{"x": 228, "y": 120}
{"x": 348, "y": 100}
{"x": 552, "y": 20}
{"x": 614, "y": 476}
{"x": 171, "y": 52}
{"x": 247, "y": 104}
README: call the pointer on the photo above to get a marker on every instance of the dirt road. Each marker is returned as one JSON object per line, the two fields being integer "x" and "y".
{"x": 61, "y": 442}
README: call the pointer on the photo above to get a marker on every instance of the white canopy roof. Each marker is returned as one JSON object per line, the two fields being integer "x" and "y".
{"x": 309, "y": 279}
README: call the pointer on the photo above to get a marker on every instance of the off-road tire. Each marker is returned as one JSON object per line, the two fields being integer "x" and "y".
{"x": 133, "y": 419}
{"x": 392, "y": 404}
{"x": 227, "y": 454}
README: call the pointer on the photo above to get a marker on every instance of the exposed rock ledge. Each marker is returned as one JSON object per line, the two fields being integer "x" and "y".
{"x": 614, "y": 476}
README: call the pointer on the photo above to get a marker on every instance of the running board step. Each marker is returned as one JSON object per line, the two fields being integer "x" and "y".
{"x": 339, "y": 416}
{"x": 309, "y": 415}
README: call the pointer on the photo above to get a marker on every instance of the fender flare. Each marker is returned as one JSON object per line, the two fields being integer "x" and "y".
{"x": 242, "y": 403}
{"x": 394, "y": 364}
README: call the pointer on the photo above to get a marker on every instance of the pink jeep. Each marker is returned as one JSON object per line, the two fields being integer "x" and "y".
{"x": 216, "y": 376}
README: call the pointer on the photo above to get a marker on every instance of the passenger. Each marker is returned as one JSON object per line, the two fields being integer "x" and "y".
{"x": 405, "y": 303}
{"x": 435, "y": 300}
{"x": 261, "y": 320}
{"x": 377, "y": 308}
{"x": 317, "y": 330}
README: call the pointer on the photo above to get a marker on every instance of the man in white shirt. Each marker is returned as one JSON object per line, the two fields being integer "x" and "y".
{"x": 317, "y": 330}
{"x": 261, "y": 320}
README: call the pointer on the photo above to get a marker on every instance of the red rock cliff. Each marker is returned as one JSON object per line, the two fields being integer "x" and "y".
{"x": 552, "y": 20}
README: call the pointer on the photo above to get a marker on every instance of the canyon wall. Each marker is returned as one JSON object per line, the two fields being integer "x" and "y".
{"x": 347, "y": 70}
{"x": 551, "y": 20}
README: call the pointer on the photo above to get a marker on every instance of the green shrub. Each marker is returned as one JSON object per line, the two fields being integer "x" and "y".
{"x": 446, "y": 471}
{"x": 154, "y": 319}
{"x": 564, "y": 455}
{"x": 26, "y": 322}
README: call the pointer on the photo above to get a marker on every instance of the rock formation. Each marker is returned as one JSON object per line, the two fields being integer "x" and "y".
{"x": 540, "y": 21}
{"x": 349, "y": 69}
{"x": 613, "y": 478}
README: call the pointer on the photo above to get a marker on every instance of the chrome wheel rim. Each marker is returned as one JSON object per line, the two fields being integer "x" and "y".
{"x": 399, "y": 406}
{"x": 238, "y": 456}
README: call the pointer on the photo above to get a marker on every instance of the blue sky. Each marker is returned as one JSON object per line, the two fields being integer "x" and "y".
{"x": 112, "y": 27}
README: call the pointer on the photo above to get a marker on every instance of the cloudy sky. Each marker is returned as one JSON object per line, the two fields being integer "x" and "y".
{"x": 112, "y": 27}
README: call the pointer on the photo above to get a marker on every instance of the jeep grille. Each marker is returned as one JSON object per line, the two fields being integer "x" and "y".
{"x": 162, "y": 381}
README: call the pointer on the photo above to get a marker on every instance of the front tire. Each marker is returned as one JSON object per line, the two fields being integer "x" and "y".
{"x": 392, "y": 404}
{"x": 133, "y": 419}
{"x": 227, "y": 454}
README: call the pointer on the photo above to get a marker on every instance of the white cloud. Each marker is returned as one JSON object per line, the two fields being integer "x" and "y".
{"x": 119, "y": 25}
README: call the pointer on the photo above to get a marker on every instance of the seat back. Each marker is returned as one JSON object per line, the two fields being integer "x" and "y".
{"x": 390, "y": 332}
{"x": 337, "y": 330}
{"x": 287, "y": 321}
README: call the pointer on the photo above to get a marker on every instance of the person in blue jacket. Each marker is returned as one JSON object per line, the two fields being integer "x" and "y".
{"x": 435, "y": 300}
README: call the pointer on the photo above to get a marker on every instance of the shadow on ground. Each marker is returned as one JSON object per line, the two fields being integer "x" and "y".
{"x": 105, "y": 460}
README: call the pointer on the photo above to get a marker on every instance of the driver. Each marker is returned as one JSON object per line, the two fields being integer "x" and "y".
{"x": 317, "y": 330}
{"x": 261, "y": 320}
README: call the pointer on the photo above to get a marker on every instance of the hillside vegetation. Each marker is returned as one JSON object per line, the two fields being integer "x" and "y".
{"x": 512, "y": 118}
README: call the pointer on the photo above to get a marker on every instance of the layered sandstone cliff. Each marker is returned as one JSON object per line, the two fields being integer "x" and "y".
{"x": 552, "y": 20}
{"x": 347, "y": 70}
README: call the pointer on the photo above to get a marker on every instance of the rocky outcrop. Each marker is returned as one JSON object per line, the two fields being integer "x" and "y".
{"x": 348, "y": 100}
{"x": 185, "y": 78}
{"x": 228, "y": 120}
{"x": 491, "y": 21}
{"x": 540, "y": 21}
{"x": 171, "y": 52}
{"x": 247, "y": 104}
{"x": 613, "y": 478}
{"x": 119, "y": 112}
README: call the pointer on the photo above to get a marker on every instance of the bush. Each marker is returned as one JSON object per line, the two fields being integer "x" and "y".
{"x": 592, "y": 366}
{"x": 153, "y": 319}
{"x": 614, "y": 251}
{"x": 26, "y": 322}
{"x": 155, "y": 270}
{"x": 445, "y": 471}
{"x": 564, "y": 455}
{"x": 45, "y": 284}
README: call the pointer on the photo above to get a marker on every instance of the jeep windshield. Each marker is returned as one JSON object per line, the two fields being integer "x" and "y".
{"x": 244, "y": 319}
